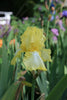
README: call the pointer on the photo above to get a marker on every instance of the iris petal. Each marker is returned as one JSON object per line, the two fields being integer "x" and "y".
{"x": 45, "y": 54}
{"x": 33, "y": 61}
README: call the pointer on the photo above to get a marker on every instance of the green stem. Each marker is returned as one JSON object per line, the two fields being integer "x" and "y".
{"x": 47, "y": 33}
{"x": 33, "y": 89}
{"x": 47, "y": 43}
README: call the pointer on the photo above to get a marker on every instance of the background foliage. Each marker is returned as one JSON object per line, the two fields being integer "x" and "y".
{"x": 15, "y": 82}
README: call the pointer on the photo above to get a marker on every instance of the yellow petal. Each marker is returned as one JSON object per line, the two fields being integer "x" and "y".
{"x": 33, "y": 61}
{"x": 32, "y": 39}
{"x": 17, "y": 55}
{"x": 46, "y": 54}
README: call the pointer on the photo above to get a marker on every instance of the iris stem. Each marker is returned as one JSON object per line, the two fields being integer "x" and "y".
{"x": 47, "y": 33}
{"x": 33, "y": 89}
{"x": 47, "y": 43}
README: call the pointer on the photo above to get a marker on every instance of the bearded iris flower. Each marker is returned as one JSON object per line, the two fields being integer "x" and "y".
{"x": 55, "y": 31}
{"x": 64, "y": 13}
{"x": 60, "y": 23}
{"x": 32, "y": 43}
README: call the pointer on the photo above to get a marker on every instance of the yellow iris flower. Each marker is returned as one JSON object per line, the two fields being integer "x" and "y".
{"x": 32, "y": 43}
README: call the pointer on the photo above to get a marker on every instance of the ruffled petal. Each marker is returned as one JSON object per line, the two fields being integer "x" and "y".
{"x": 32, "y": 39}
{"x": 33, "y": 61}
{"x": 17, "y": 55}
{"x": 46, "y": 55}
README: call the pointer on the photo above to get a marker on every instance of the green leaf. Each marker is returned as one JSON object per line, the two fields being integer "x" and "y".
{"x": 42, "y": 83}
{"x": 42, "y": 0}
{"x": 58, "y": 90}
{"x": 10, "y": 37}
{"x": 53, "y": 74}
{"x": 0, "y": 60}
{"x": 11, "y": 92}
{"x": 4, "y": 71}
{"x": 65, "y": 69}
